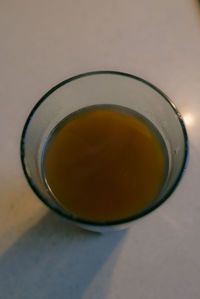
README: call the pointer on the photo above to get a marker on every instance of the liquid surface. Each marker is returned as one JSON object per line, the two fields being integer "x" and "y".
{"x": 104, "y": 165}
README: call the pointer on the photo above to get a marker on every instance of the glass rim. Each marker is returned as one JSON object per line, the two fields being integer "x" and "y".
{"x": 113, "y": 222}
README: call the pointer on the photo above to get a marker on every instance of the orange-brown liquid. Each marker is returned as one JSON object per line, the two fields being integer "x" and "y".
{"x": 104, "y": 164}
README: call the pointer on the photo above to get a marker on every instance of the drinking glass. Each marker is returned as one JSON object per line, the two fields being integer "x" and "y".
{"x": 103, "y": 88}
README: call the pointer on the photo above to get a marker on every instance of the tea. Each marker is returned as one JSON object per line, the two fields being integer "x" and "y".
{"x": 104, "y": 164}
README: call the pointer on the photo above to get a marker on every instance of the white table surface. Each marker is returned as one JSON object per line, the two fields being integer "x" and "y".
{"x": 44, "y": 42}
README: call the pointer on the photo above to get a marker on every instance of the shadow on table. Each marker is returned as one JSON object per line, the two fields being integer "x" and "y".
{"x": 57, "y": 260}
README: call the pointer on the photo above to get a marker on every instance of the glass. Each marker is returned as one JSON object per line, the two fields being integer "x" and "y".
{"x": 103, "y": 88}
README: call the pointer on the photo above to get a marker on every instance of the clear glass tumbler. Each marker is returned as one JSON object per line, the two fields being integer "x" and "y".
{"x": 103, "y": 88}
